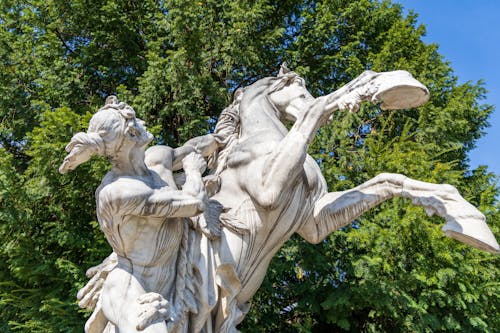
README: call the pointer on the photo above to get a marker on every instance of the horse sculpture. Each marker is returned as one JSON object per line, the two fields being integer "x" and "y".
{"x": 268, "y": 188}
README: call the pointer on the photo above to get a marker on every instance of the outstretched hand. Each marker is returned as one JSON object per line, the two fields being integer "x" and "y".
{"x": 194, "y": 161}
{"x": 81, "y": 148}
{"x": 90, "y": 293}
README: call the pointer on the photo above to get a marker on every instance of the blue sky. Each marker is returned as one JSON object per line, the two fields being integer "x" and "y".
{"x": 468, "y": 35}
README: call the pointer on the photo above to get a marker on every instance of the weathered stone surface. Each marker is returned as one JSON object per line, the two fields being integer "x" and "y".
{"x": 190, "y": 259}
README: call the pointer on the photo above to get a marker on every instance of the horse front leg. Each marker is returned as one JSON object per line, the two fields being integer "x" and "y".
{"x": 464, "y": 222}
{"x": 282, "y": 167}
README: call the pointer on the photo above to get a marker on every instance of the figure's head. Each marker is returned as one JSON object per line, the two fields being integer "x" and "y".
{"x": 112, "y": 131}
{"x": 289, "y": 94}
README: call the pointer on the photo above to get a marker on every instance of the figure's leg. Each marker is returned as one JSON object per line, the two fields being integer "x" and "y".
{"x": 337, "y": 209}
{"x": 97, "y": 321}
{"x": 130, "y": 308}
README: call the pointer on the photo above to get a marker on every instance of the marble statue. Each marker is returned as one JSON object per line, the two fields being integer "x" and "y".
{"x": 190, "y": 259}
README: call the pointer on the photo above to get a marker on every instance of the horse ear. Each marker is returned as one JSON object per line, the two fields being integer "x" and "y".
{"x": 283, "y": 70}
{"x": 111, "y": 99}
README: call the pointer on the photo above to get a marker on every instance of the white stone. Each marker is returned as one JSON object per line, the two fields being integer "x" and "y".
{"x": 190, "y": 260}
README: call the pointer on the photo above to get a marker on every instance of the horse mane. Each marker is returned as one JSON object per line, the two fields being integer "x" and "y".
{"x": 227, "y": 129}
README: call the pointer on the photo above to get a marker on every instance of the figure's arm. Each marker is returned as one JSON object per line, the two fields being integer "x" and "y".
{"x": 159, "y": 159}
{"x": 204, "y": 145}
{"x": 133, "y": 198}
{"x": 189, "y": 201}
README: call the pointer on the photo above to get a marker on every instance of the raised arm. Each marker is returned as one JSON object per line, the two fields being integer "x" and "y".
{"x": 205, "y": 145}
{"x": 189, "y": 201}
{"x": 166, "y": 158}
{"x": 125, "y": 197}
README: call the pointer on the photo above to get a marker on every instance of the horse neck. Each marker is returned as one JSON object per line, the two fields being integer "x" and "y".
{"x": 259, "y": 118}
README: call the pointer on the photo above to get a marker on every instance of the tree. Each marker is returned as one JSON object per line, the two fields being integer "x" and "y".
{"x": 177, "y": 63}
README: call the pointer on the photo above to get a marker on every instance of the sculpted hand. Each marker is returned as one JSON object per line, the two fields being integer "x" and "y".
{"x": 196, "y": 144}
{"x": 350, "y": 101}
{"x": 194, "y": 161}
{"x": 78, "y": 155}
{"x": 152, "y": 308}
{"x": 90, "y": 293}
{"x": 81, "y": 148}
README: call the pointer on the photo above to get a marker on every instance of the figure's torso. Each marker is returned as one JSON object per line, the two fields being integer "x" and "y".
{"x": 147, "y": 244}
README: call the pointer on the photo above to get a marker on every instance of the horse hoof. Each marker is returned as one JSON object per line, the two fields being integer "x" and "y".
{"x": 472, "y": 231}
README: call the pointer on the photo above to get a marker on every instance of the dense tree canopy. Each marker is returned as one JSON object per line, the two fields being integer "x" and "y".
{"x": 178, "y": 62}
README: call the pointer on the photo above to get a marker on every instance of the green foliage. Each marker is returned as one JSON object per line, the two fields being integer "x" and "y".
{"x": 177, "y": 63}
{"x": 47, "y": 232}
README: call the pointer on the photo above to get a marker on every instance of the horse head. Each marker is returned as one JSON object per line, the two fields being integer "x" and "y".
{"x": 289, "y": 95}
{"x": 267, "y": 102}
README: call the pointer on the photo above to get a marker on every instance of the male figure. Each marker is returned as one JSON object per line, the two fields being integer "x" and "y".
{"x": 140, "y": 211}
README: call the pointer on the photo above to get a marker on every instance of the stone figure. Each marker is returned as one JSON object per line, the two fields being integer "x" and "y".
{"x": 264, "y": 187}
{"x": 140, "y": 212}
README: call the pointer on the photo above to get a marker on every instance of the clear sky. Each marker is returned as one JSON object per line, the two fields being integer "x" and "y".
{"x": 468, "y": 35}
